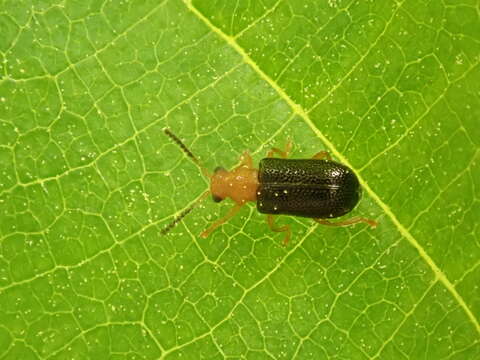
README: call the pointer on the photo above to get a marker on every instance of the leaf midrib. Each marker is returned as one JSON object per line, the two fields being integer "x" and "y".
{"x": 297, "y": 109}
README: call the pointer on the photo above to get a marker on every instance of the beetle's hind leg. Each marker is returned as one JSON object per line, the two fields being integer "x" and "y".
{"x": 275, "y": 228}
{"x": 351, "y": 221}
{"x": 281, "y": 153}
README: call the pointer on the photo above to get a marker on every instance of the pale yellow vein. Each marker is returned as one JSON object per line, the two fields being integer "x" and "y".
{"x": 439, "y": 275}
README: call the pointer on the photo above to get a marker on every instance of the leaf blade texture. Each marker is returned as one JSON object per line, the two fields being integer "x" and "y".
{"x": 88, "y": 179}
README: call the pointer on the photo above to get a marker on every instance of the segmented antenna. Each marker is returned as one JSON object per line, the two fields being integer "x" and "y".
{"x": 181, "y": 144}
{"x": 175, "y": 221}
{"x": 184, "y": 213}
{"x": 186, "y": 151}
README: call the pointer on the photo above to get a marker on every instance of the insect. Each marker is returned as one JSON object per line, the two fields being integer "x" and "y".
{"x": 317, "y": 188}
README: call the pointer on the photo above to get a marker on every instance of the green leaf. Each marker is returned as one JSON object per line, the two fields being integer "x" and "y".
{"x": 88, "y": 179}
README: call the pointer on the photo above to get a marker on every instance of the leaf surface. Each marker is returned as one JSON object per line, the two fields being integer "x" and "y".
{"x": 88, "y": 179}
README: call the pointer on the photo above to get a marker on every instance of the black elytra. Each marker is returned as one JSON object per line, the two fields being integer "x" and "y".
{"x": 306, "y": 187}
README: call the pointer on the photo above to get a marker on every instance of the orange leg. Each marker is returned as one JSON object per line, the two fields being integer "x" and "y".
{"x": 233, "y": 211}
{"x": 246, "y": 160}
{"x": 281, "y": 153}
{"x": 351, "y": 221}
{"x": 322, "y": 155}
{"x": 275, "y": 228}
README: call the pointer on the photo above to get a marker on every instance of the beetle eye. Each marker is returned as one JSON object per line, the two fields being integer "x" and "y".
{"x": 218, "y": 168}
{"x": 216, "y": 198}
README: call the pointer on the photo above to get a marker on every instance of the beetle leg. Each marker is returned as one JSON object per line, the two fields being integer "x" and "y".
{"x": 351, "y": 221}
{"x": 322, "y": 155}
{"x": 246, "y": 160}
{"x": 233, "y": 211}
{"x": 275, "y": 228}
{"x": 282, "y": 153}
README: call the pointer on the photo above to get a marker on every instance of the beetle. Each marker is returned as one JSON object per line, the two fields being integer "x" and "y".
{"x": 317, "y": 188}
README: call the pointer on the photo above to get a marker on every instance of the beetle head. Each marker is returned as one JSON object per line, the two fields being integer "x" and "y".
{"x": 215, "y": 197}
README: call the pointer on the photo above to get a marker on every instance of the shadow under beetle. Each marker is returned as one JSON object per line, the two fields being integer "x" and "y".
{"x": 317, "y": 188}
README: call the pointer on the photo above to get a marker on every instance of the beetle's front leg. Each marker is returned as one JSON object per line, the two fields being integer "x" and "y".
{"x": 233, "y": 211}
{"x": 351, "y": 221}
{"x": 282, "y": 153}
{"x": 246, "y": 160}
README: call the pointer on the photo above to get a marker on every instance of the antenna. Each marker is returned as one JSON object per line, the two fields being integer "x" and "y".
{"x": 205, "y": 172}
{"x": 175, "y": 221}
{"x": 184, "y": 213}
{"x": 187, "y": 151}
